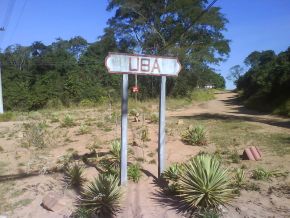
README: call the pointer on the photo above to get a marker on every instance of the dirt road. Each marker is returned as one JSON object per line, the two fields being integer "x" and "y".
{"x": 145, "y": 199}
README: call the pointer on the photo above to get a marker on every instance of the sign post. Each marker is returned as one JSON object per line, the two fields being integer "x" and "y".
{"x": 124, "y": 127}
{"x": 120, "y": 63}
{"x": 161, "y": 136}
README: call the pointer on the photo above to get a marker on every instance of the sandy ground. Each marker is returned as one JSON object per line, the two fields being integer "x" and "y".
{"x": 145, "y": 198}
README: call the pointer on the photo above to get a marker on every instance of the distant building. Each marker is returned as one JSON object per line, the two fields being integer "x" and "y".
{"x": 208, "y": 86}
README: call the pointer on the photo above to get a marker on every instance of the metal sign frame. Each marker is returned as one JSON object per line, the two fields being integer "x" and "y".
{"x": 124, "y": 110}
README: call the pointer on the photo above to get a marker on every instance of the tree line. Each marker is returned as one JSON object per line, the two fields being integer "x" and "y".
{"x": 266, "y": 84}
{"x": 70, "y": 71}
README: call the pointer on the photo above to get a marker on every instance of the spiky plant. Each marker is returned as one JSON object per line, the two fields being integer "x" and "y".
{"x": 173, "y": 172}
{"x": 204, "y": 183}
{"x": 115, "y": 152}
{"x": 74, "y": 175}
{"x": 194, "y": 135}
{"x": 101, "y": 197}
{"x": 239, "y": 177}
{"x": 172, "y": 175}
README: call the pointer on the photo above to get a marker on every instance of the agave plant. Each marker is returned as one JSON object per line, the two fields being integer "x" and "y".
{"x": 194, "y": 135}
{"x": 74, "y": 175}
{"x": 204, "y": 184}
{"x": 115, "y": 153}
{"x": 101, "y": 198}
{"x": 173, "y": 172}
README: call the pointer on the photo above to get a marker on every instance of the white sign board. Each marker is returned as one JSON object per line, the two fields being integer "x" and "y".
{"x": 119, "y": 63}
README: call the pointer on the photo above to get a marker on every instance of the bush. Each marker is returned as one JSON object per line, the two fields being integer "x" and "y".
{"x": 36, "y": 135}
{"x": 7, "y": 116}
{"x": 87, "y": 103}
{"x": 194, "y": 135}
{"x": 154, "y": 118}
{"x": 68, "y": 121}
{"x": 134, "y": 172}
{"x": 262, "y": 174}
{"x": 74, "y": 175}
{"x": 101, "y": 197}
{"x": 204, "y": 183}
{"x": 84, "y": 129}
{"x": 54, "y": 103}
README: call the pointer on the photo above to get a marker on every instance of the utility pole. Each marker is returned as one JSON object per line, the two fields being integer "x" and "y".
{"x": 1, "y": 96}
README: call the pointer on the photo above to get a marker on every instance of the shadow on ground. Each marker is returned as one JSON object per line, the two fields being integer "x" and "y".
{"x": 229, "y": 117}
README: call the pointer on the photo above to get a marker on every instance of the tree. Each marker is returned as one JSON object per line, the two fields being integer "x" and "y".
{"x": 235, "y": 73}
{"x": 171, "y": 28}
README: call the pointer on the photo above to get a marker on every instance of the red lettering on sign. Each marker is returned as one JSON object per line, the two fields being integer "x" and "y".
{"x": 130, "y": 65}
{"x": 155, "y": 66}
{"x": 145, "y": 64}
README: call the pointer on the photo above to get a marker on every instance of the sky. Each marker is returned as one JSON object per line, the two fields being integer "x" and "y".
{"x": 253, "y": 24}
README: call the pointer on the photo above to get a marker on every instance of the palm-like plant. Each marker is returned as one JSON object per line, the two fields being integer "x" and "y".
{"x": 101, "y": 197}
{"x": 74, "y": 175}
{"x": 204, "y": 183}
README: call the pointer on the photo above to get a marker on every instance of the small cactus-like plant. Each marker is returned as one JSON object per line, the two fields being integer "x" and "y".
{"x": 101, "y": 198}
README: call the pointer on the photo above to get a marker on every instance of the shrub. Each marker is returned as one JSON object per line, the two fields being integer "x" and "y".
{"x": 74, "y": 175}
{"x": 101, "y": 197}
{"x": 67, "y": 121}
{"x": 134, "y": 172}
{"x": 54, "y": 103}
{"x": 204, "y": 183}
{"x": 235, "y": 157}
{"x": 35, "y": 135}
{"x": 262, "y": 174}
{"x": 87, "y": 103}
{"x": 154, "y": 118}
{"x": 7, "y": 116}
{"x": 194, "y": 135}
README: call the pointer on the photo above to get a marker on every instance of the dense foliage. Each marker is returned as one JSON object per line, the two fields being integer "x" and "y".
{"x": 266, "y": 84}
{"x": 69, "y": 71}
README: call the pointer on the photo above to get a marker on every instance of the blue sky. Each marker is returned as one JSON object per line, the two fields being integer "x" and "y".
{"x": 253, "y": 24}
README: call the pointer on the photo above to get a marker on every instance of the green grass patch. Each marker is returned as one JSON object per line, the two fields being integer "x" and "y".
{"x": 202, "y": 95}
{"x": 7, "y": 116}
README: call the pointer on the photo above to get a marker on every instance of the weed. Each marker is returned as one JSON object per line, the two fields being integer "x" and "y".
{"x": 36, "y": 135}
{"x": 154, "y": 118}
{"x": 144, "y": 134}
{"x": 194, "y": 135}
{"x": 84, "y": 129}
{"x": 67, "y": 121}
{"x": 262, "y": 174}
{"x": 235, "y": 157}
{"x": 134, "y": 172}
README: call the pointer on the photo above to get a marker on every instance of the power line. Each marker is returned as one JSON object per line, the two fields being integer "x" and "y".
{"x": 18, "y": 20}
{"x": 6, "y": 19}
{"x": 193, "y": 23}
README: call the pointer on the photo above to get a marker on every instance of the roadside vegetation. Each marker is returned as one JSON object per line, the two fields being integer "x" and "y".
{"x": 265, "y": 85}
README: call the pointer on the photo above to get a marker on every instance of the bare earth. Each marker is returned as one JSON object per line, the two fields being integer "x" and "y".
{"x": 143, "y": 199}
